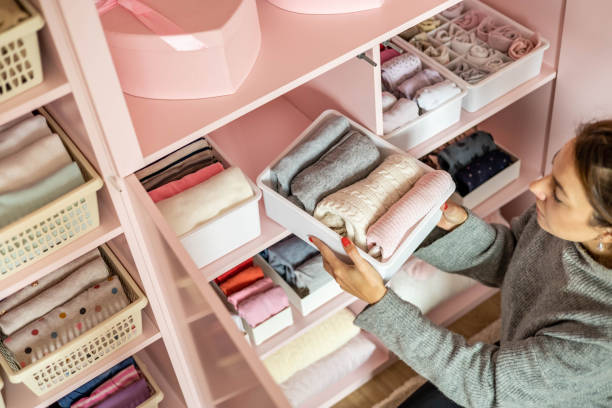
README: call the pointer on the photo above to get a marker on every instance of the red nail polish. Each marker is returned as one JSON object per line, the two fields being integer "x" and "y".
{"x": 310, "y": 239}
{"x": 445, "y": 206}
{"x": 345, "y": 241}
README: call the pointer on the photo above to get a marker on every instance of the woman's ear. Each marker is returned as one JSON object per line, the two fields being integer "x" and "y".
{"x": 606, "y": 236}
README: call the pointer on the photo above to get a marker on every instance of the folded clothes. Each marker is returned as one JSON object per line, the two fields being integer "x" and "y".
{"x": 409, "y": 33}
{"x": 285, "y": 256}
{"x": 18, "y": 136}
{"x": 419, "y": 80}
{"x": 440, "y": 54}
{"x": 328, "y": 370}
{"x": 46, "y": 281}
{"x": 226, "y": 275}
{"x": 12, "y": 14}
{"x": 350, "y": 160}
{"x": 318, "y": 342}
{"x": 307, "y": 152}
{"x": 501, "y": 37}
{"x": 193, "y": 207}
{"x": 130, "y": 397}
{"x": 33, "y": 163}
{"x": 459, "y": 154}
{"x": 188, "y": 181}
{"x": 68, "y": 321}
{"x": 168, "y": 161}
{"x": 311, "y": 276}
{"x": 478, "y": 55}
{"x": 495, "y": 63}
{"x": 387, "y": 54}
{"x": 386, "y": 234}
{"x": 422, "y": 41}
{"x": 470, "y": 19}
{"x": 86, "y": 389}
{"x": 442, "y": 35}
{"x": 453, "y": 11}
{"x": 487, "y": 26}
{"x": 241, "y": 280}
{"x": 401, "y": 113}
{"x": 263, "y": 305}
{"x": 521, "y": 47}
{"x": 481, "y": 170}
{"x": 76, "y": 282}
{"x": 398, "y": 69}
{"x": 188, "y": 165}
{"x": 429, "y": 25}
{"x": 350, "y": 211}
{"x": 462, "y": 41}
{"x": 254, "y": 288}
{"x": 388, "y": 99}
{"x": 18, "y": 203}
{"x": 468, "y": 73}
{"x": 119, "y": 381}
{"x": 430, "y": 97}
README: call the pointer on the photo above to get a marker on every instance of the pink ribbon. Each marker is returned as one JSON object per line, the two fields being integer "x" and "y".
{"x": 167, "y": 30}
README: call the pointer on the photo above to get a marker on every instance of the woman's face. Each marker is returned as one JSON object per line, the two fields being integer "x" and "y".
{"x": 561, "y": 201}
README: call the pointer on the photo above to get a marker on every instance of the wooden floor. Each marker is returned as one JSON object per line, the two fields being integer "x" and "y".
{"x": 395, "y": 375}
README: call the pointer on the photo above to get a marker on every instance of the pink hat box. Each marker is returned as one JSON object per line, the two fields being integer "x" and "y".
{"x": 187, "y": 49}
{"x": 326, "y": 6}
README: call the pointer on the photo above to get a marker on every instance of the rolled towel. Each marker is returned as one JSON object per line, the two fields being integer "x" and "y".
{"x": 398, "y": 69}
{"x": 480, "y": 170}
{"x": 307, "y": 152}
{"x": 241, "y": 280}
{"x": 429, "y": 25}
{"x": 487, "y": 26}
{"x": 388, "y": 99}
{"x": 440, "y": 54}
{"x": 453, "y": 11}
{"x": 33, "y": 163}
{"x": 353, "y": 158}
{"x": 85, "y": 276}
{"x": 285, "y": 256}
{"x": 386, "y": 234}
{"x": 131, "y": 397}
{"x": 403, "y": 112}
{"x": 501, "y": 37}
{"x": 521, "y": 47}
{"x": 422, "y": 41}
{"x": 311, "y": 276}
{"x": 254, "y": 288}
{"x": 479, "y": 55}
{"x": 328, "y": 370}
{"x": 462, "y": 41}
{"x": 119, "y": 381}
{"x": 350, "y": 211}
{"x": 468, "y": 73}
{"x": 317, "y": 343}
{"x": 470, "y": 19}
{"x": 387, "y": 54}
{"x": 18, "y": 203}
{"x": 261, "y": 306}
{"x": 419, "y": 80}
{"x": 185, "y": 183}
{"x": 22, "y": 134}
{"x": 495, "y": 63}
{"x": 193, "y": 207}
{"x": 459, "y": 154}
{"x": 33, "y": 289}
{"x": 409, "y": 33}
{"x": 432, "y": 96}
{"x": 68, "y": 321}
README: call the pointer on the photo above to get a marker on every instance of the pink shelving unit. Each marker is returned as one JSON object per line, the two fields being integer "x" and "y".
{"x": 307, "y": 64}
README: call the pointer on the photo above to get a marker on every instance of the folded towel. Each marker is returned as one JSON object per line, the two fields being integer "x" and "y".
{"x": 470, "y": 19}
{"x": 311, "y": 276}
{"x": 350, "y": 211}
{"x": 409, "y": 33}
{"x": 353, "y": 158}
{"x": 462, "y": 41}
{"x": 21, "y": 134}
{"x": 68, "y": 321}
{"x": 521, "y": 47}
{"x": 130, "y": 397}
{"x": 495, "y": 63}
{"x": 388, "y": 99}
{"x": 33, "y": 163}
{"x": 18, "y": 203}
{"x": 188, "y": 165}
{"x": 92, "y": 272}
{"x": 401, "y": 113}
{"x": 453, "y": 11}
{"x": 241, "y": 280}
{"x": 285, "y": 256}
{"x": 328, "y": 370}
{"x": 501, "y": 37}
{"x": 386, "y": 234}
{"x": 487, "y": 26}
{"x": 440, "y": 54}
{"x": 480, "y": 170}
{"x": 478, "y": 55}
{"x": 240, "y": 267}
{"x": 119, "y": 381}
{"x": 429, "y": 98}
{"x": 468, "y": 73}
{"x": 429, "y": 25}
{"x": 46, "y": 281}
{"x": 185, "y": 183}
{"x": 254, "y": 288}
{"x": 261, "y": 306}
{"x": 419, "y": 80}
{"x": 173, "y": 158}
{"x": 387, "y": 54}
{"x": 459, "y": 154}
{"x": 318, "y": 342}
{"x": 12, "y": 14}
{"x": 193, "y": 207}
{"x": 398, "y": 69}
{"x": 307, "y": 152}
{"x": 422, "y": 41}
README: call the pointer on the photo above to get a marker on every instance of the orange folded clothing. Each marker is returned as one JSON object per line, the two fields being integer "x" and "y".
{"x": 241, "y": 280}
{"x": 226, "y": 275}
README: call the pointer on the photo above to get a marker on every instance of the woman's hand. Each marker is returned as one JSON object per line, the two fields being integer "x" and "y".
{"x": 453, "y": 215}
{"x": 360, "y": 279}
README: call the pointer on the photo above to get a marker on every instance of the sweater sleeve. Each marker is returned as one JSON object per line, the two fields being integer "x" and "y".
{"x": 476, "y": 249}
{"x": 481, "y": 375}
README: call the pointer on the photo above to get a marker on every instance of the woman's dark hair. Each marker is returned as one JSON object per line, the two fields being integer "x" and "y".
{"x": 593, "y": 154}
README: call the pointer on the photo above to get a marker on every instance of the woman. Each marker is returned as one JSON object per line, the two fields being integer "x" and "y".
{"x": 554, "y": 270}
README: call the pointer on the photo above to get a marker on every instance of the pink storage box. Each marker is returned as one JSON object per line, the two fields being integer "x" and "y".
{"x": 326, "y": 6}
{"x": 212, "y": 54}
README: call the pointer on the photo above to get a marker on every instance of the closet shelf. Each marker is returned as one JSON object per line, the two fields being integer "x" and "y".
{"x": 18, "y": 395}
{"x": 471, "y": 119}
{"x": 171, "y": 400}
{"x": 295, "y": 48}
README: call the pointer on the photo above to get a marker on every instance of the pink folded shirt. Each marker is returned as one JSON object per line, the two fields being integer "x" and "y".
{"x": 386, "y": 55}
{"x": 260, "y": 307}
{"x": 185, "y": 183}
{"x": 257, "y": 287}
{"x": 118, "y": 382}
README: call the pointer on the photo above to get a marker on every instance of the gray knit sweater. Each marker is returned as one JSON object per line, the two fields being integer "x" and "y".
{"x": 556, "y": 339}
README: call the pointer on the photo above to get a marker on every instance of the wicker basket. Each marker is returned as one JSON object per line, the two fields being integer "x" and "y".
{"x": 1, "y": 398}
{"x": 58, "y": 223}
{"x": 156, "y": 393}
{"x": 20, "y": 67}
{"x": 89, "y": 347}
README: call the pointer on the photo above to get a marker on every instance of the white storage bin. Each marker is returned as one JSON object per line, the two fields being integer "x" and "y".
{"x": 498, "y": 83}
{"x": 305, "y": 304}
{"x": 304, "y": 225}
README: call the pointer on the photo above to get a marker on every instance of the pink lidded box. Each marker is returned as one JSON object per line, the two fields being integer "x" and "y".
{"x": 187, "y": 49}
{"x": 326, "y": 6}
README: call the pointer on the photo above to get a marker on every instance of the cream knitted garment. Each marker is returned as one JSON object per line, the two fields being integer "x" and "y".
{"x": 350, "y": 211}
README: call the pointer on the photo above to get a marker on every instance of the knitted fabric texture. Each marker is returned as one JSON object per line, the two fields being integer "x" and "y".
{"x": 386, "y": 234}
{"x": 401, "y": 113}
{"x": 398, "y": 69}
{"x": 430, "y": 97}
{"x": 350, "y": 211}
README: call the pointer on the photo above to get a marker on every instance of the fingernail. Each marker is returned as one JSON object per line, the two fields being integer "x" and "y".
{"x": 310, "y": 239}
{"x": 345, "y": 241}
{"x": 445, "y": 206}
